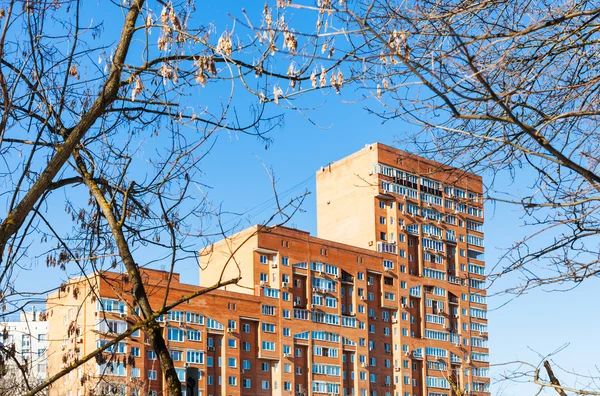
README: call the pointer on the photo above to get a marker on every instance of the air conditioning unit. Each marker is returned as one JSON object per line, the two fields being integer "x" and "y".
{"x": 364, "y": 364}
{"x": 242, "y": 371}
{"x": 370, "y": 243}
{"x": 394, "y": 320}
{"x": 186, "y": 364}
{"x": 181, "y": 323}
{"x": 284, "y": 285}
{"x": 336, "y": 277}
{"x": 352, "y": 313}
{"x": 403, "y": 212}
{"x": 398, "y": 369}
{"x": 386, "y": 269}
{"x": 402, "y": 227}
{"x": 319, "y": 273}
{"x": 263, "y": 283}
{"x": 123, "y": 315}
{"x": 314, "y": 289}
{"x": 440, "y": 310}
{"x": 386, "y": 320}
{"x": 79, "y": 340}
{"x": 407, "y": 353}
{"x": 481, "y": 333}
{"x": 286, "y": 355}
{"x": 274, "y": 265}
{"x": 362, "y": 298}
{"x": 456, "y": 316}
{"x": 388, "y": 352}
{"x": 230, "y": 330}
{"x": 403, "y": 305}
{"x": 210, "y": 348}
{"x": 313, "y": 306}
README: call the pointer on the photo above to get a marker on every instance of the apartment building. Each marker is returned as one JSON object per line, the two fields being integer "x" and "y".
{"x": 27, "y": 334}
{"x": 388, "y": 300}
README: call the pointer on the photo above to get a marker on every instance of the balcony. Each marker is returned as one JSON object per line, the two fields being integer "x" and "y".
{"x": 302, "y": 265}
{"x": 454, "y": 338}
{"x": 386, "y": 247}
{"x": 454, "y": 279}
{"x": 346, "y": 277}
{"x": 301, "y": 314}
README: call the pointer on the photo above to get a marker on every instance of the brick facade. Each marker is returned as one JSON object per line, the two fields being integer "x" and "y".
{"x": 392, "y": 302}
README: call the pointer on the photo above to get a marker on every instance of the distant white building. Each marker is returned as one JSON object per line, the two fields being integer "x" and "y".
{"x": 29, "y": 336}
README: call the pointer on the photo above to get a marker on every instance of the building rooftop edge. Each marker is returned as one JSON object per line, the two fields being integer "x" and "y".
{"x": 382, "y": 146}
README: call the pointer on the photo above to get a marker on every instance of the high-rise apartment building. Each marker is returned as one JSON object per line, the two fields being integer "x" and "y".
{"x": 388, "y": 301}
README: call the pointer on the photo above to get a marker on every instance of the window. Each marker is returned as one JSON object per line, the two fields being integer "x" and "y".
{"x": 196, "y": 357}
{"x": 175, "y": 334}
{"x": 285, "y": 261}
{"x": 268, "y": 346}
{"x": 194, "y": 335}
{"x": 246, "y": 383}
{"x": 268, "y": 310}
{"x": 151, "y": 355}
{"x": 152, "y": 375}
{"x": 268, "y": 327}
{"x": 232, "y": 362}
{"x": 231, "y": 324}
{"x": 246, "y": 328}
{"x": 135, "y": 352}
{"x": 263, "y": 259}
{"x": 232, "y": 343}
{"x": 232, "y": 380}
{"x": 360, "y": 275}
{"x": 264, "y": 366}
{"x": 194, "y": 318}
{"x": 246, "y": 346}
{"x": 177, "y": 356}
{"x": 265, "y": 385}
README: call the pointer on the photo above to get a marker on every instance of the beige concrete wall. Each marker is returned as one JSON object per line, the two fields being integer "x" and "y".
{"x": 345, "y": 199}
{"x": 230, "y": 258}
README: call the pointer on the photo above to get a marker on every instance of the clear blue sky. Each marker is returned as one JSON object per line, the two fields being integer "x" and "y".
{"x": 537, "y": 322}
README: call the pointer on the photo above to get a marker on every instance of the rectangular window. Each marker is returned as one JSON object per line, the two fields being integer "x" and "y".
{"x": 196, "y": 357}
{"x": 175, "y": 334}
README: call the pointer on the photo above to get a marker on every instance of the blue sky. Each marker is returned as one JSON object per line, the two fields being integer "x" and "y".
{"x": 538, "y": 322}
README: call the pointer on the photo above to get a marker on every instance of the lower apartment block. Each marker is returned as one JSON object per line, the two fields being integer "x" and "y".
{"x": 308, "y": 317}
